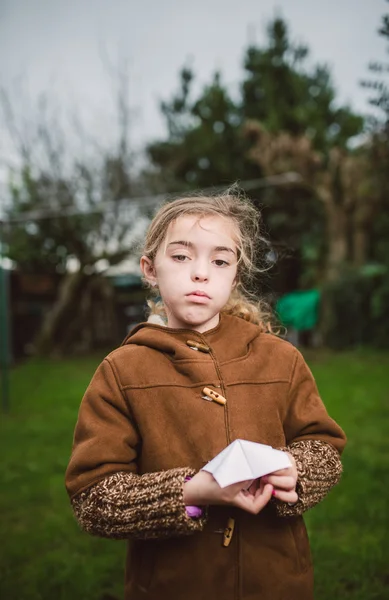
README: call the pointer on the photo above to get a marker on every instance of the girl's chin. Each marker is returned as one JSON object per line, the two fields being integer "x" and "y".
{"x": 197, "y": 321}
{"x": 194, "y": 319}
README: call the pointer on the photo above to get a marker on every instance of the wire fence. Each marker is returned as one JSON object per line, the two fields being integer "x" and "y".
{"x": 151, "y": 201}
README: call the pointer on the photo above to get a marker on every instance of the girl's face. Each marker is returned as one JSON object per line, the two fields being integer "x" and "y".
{"x": 195, "y": 269}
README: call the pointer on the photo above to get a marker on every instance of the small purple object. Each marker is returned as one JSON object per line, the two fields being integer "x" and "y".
{"x": 194, "y": 511}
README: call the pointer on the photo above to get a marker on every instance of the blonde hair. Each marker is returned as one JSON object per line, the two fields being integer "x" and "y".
{"x": 246, "y": 219}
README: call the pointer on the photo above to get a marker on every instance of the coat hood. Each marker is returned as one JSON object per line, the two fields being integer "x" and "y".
{"x": 171, "y": 341}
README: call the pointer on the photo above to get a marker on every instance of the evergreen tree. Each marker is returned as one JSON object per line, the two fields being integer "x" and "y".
{"x": 209, "y": 141}
{"x": 205, "y": 144}
{"x": 284, "y": 94}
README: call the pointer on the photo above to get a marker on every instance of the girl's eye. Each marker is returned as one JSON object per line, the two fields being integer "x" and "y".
{"x": 220, "y": 262}
{"x": 180, "y": 257}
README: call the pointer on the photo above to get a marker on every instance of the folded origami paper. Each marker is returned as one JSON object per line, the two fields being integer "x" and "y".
{"x": 243, "y": 461}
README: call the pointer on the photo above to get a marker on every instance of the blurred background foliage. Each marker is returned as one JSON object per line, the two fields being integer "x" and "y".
{"x": 319, "y": 172}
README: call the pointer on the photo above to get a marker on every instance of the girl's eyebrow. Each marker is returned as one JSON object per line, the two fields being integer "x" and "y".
{"x": 224, "y": 249}
{"x": 190, "y": 245}
{"x": 181, "y": 243}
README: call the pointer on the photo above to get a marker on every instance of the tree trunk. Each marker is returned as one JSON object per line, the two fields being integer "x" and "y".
{"x": 360, "y": 246}
{"x": 337, "y": 240}
{"x": 60, "y": 317}
{"x": 362, "y": 224}
{"x": 336, "y": 257}
{"x": 94, "y": 323}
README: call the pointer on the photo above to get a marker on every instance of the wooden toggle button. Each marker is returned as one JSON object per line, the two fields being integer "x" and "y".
{"x": 197, "y": 346}
{"x": 214, "y": 396}
{"x": 228, "y": 532}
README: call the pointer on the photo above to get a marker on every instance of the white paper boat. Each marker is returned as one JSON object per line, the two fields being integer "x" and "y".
{"x": 243, "y": 460}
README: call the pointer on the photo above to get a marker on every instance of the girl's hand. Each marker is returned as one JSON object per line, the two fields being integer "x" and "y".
{"x": 203, "y": 489}
{"x": 284, "y": 482}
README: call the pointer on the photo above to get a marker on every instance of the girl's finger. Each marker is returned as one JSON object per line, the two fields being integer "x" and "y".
{"x": 290, "y": 497}
{"x": 246, "y": 485}
{"x": 229, "y": 492}
{"x": 255, "y": 503}
{"x": 286, "y": 471}
{"x": 254, "y": 486}
{"x": 281, "y": 481}
{"x": 262, "y": 497}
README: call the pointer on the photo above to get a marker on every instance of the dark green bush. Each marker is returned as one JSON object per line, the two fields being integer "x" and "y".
{"x": 357, "y": 308}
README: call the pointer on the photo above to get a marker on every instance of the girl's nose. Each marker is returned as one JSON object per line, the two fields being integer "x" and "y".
{"x": 200, "y": 278}
{"x": 200, "y": 273}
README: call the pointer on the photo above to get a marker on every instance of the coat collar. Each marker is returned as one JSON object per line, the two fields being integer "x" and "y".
{"x": 229, "y": 340}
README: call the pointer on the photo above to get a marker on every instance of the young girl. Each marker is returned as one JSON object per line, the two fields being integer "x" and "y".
{"x": 203, "y": 372}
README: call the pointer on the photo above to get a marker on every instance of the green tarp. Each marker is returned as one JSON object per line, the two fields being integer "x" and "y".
{"x": 299, "y": 309}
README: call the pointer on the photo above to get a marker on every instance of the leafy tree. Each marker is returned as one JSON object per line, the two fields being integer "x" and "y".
{"x": 339, "y": 181}
{"x": 380, "y": 85}
{"x": 378, "y": 147}
{"x": 68, "y": 214}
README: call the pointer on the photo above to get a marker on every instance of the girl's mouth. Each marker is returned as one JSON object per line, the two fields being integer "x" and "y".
{"x": 198, "y": 296}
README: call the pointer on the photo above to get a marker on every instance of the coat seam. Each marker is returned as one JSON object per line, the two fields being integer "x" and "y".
{"x": 288, "y": 406}
{"x": 223, "y": 388}
{"x": 116, "y": 377}
{"x": 164, "y": 385}
{"x": 200, "y": 383}
{"x": 293, "y": 372}
{"x": 188, "y": 360}
{"x": 238, "y": 359}
{"x": 124, "y": 396}
{"x": 250, "y": 382}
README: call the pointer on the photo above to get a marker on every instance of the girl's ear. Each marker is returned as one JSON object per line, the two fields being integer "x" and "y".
{"x": 148, "y": 270}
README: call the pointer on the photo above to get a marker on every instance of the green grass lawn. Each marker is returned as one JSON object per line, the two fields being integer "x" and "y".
{"x": 44, "y": 556}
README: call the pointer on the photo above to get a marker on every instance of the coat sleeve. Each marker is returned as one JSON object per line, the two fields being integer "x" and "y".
{"x": 108, "y": 496}
{"x": 306, "y": 417}
{"x": 313, "y": 438}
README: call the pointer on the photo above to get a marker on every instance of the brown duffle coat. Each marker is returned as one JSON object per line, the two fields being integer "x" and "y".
{"x": 144, "y": 414}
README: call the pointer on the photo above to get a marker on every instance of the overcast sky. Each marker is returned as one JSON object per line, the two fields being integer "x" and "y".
{"x": 54, "y": 45}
